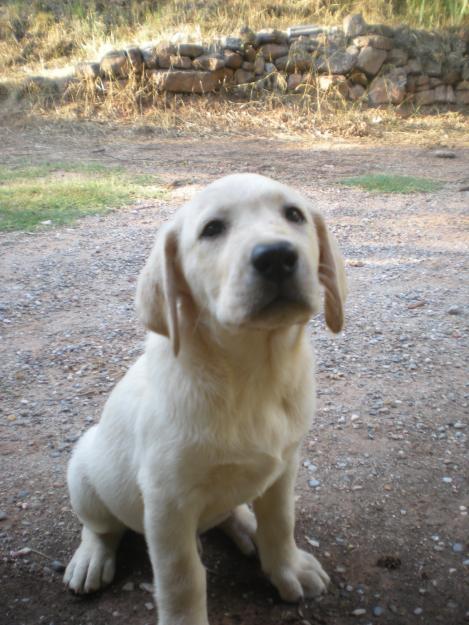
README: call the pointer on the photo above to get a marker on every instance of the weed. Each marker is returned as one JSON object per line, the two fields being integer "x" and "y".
{"x": 391, "y": 183}
{"x": 59, "y": 193}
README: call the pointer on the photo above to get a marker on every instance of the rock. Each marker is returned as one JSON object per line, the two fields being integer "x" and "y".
{"x": 180, "y": 62}
{"x": 128, "y": 587}
{"x": 373, "y": 41}
{"x": 189, "y": 49}
{"x": 146, "y": 587}
{"x": 397, "y": 57}
{"x": 354, "y": 25}
{"x": 271, "y": 35}
{"x": 115, "y": 64}
{"x": 57, "y": 566}
{"x": 358, "y": 612}
{"x": 150, "y": 55}
{"x": 432, "y": 67}
{"x": 135, "y": 58}
{"x": 295, "y": 62}
{"x": 356, "y": 92}
{"x": 273, "y": 51}
{"x": 87, "y": 70}
{"x": 462, "y": 92}
{"x": 259, "y": 65}
{"x": 381, "y": 29}
{"x": 233, "y": 60}
{"x": 465, "y": 71}
{"x": 314, "y": 483}
{"x": 414, "y": 66}
{"x": 247, "y": 66}
{"x": 388, "y": 89}
{"x": 340, "y": 62}
{"x": 457, "y": 547}
{"x": 294, "y": 81}
{"x": 232, "y": 43}
{"x": 248, "y": 36}
{"x": 334, "y": 82}
{"x": 447, "y": 154}
{"x": 377, "y": 610}
{"x": 359, "y": 78}
{"x": 209, "y": 63}
{"x": 242, "y": 76}
{"x": 370, "y": 60}
{"x": 178, "y": 81}
{"x": 270, "y": 68}
{"x": 3, "y": 515}
{"x": 417, "y": 83}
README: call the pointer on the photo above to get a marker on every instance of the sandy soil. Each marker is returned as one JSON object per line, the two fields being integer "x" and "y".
{"x": 388, "y": 516}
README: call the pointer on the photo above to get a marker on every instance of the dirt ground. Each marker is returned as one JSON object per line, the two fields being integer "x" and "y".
{"x": 383, "y": 490}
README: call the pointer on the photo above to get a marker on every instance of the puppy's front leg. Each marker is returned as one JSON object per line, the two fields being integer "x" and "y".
{"x": 294, "y": 572}
{"x": 179, "y": 576}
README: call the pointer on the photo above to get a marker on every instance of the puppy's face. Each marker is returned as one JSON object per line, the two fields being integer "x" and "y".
{"x": 245, "y": 252}
{"x": 249, "y": 252}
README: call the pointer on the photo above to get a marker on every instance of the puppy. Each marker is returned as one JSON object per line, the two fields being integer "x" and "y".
{"x": 210, "y": 418}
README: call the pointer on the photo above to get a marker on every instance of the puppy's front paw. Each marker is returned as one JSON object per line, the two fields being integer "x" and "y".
{"x": 302, "y": 576}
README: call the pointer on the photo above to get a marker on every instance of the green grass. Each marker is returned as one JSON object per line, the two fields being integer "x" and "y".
{"x": 62, "y": 192}
{"x": 391, "y": 183}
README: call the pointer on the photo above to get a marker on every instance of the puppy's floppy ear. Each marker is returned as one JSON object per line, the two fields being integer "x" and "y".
{"x": 159, "y": 285}
{"x": 331, "y": 275}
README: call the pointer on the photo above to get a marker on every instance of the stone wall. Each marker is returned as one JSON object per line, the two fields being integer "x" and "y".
{"x": 374, "y": 63}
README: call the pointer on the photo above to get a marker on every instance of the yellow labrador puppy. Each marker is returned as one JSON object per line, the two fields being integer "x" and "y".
{"x": 211, "y": 417}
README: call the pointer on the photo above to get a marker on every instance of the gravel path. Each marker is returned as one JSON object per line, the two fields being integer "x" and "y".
{"x": 383, "y": 488}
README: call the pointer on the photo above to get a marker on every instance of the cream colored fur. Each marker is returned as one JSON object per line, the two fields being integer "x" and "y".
{"x": 210, "y": 418}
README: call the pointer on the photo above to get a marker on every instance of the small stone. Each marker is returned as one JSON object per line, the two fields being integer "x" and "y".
{"x": 146, "y": 587}
{"x": 57, "y": 566}
{"x": 454, "y": 310}
{"x": 418, "y": 611}
{"x": 444, "y": 154}
{"x": 359, "y": 612}
{"x": 3, "y": 515}
{"x": 370, "y": 60}
{"x": 452, "y": 605}
{"x": 354, "y": 25}
{"x": 149, "y": 606}
{"x": 447, "y": 480}
{"x": 340, "y": 568}
{"x": 210, "y": 63}
{"x": 128, "y": 587}
{"x": 457, "y": 547}
{"x": 465, "y": 562}
{"x": 459, "y": 425}
{"x": 374, "y": 41}
{"x": 190, "y": 49}
{"x": 233, "y": 60}
{"x": 377, "y": 610}
{"x": 314, "y": 483}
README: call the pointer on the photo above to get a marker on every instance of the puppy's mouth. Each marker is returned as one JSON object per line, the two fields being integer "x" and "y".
{"x": 280, "y": 306}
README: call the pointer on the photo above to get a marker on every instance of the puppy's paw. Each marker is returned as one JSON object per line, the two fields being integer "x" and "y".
{"x": 92, "y": 566}
{"x": 302, "y": 576}
{"x": 241, "y": 528}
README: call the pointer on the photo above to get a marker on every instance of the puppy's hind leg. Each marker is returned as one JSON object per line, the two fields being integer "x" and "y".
{"x": 241, "y": 526}
{"x": 93, "y": 564}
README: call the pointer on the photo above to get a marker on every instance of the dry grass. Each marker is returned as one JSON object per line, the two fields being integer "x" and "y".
{"x": 32, "y": 39}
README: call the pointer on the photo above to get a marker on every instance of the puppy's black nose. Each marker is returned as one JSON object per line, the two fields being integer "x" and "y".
{"x": 275, "y": 261}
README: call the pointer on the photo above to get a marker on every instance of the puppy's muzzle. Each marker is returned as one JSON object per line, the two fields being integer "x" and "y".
{"x": 275, "y": 262}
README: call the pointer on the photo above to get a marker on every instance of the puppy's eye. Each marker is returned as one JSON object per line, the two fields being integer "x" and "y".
{"x": 293, "y": 214}
{"x": 214, "y": 228}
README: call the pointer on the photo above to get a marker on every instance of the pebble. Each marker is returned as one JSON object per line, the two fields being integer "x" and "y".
{"x": 359, "y": 612}
{"x": 447, "y": 480}
{"x": 128, "y": 587}
{"x": 444, "y": 154}
{"x": 454, "y": 310}
{"x": 458, "y": 547}
{"x": 418, "y": 611}
{"x": 314, "y": 483}
{"x": 459, "y": 425}
{"x": 378, "y": 610}
{"x": 146, "y": 587}
{"x": 149, "y": 606}
{"x": 3, "y": 515}
{"x": 465, "y": 562}
{"x": 57, "y": 566}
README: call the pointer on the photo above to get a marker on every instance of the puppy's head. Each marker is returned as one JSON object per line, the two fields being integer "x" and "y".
{"x": 245, "y": 252}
